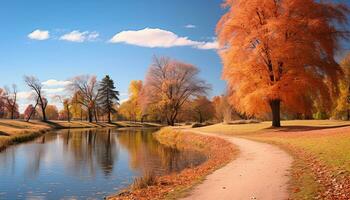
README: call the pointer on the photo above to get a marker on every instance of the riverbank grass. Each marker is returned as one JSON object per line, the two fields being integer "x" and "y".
{"x": 320, "y": 149}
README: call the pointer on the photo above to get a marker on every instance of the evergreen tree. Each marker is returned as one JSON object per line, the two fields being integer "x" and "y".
{"x": 108, "y": 96}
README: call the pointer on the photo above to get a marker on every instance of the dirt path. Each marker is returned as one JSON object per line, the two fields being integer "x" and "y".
{"x": 259, "y": 172}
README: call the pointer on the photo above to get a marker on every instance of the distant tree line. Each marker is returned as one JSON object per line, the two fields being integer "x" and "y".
{"x": 171, "y": 93}
{"x": 86, "y": 99}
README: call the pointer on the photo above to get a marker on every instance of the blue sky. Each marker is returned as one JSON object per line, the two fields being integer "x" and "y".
{"x": 62, "y": 39}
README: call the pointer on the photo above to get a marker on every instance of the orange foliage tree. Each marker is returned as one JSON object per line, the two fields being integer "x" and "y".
{"x": 275, "y": 51}
{"x": 51, "y": 112}
{"x": 203, "y": 109}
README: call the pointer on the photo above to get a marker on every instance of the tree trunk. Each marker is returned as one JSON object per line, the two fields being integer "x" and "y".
{"x": 42, "y": 109}
{"x": 89, "y": 115}
{"x": 68, "y": 113}
{"x": 31, "y": 113}
{"x": 44, "y": 114}
{"x": 275, "y": 108}
{"x": 95, "y": 113}
{"x": 13, "y": 111}
{"x": 109, "y": 117}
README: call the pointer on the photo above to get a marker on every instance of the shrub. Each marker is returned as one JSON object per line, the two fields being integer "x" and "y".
{"x": 144, "y": 181}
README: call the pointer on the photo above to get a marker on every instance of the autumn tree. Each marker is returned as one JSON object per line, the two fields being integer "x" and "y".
{"x": 29, "y": 112}
{"x": 66, "y": 103}
{"x": 223, "y": 110}
{"x": 135, "y": 89}
{"x": 11, "y": 100}
{"x": 77, "y": 108}
{"x": 126, "y": 110}
{"x": 2, "y": 103}
{"x": 273, "y": 51}
{"x": 343, "y": 101}
{"x": 108, "y": 96}
{"x": 34, "y": 84}
{"x": 202, "y": 109}
{"x": 170, "y": 84}
{"x": 52, "y": 112}
{"x": 131, "y": 109}
{"x": 88, "y": 90}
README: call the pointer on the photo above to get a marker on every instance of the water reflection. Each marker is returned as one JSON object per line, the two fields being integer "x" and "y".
{"x": 89, "y": 150}
{"x": 85, "y": 163}
{"x": 148, "y": 155}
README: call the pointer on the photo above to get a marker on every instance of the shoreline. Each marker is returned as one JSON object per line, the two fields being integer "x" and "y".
{"x": 175, "y": 185}
{"x": 18, "y": 131}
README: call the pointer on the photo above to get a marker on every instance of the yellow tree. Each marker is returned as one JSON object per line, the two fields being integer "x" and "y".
{"x": 343, "y": 101}
{"x": 131, "y": 109}
{"x": 76, "y": 107}
{"x": 274, "y": 51}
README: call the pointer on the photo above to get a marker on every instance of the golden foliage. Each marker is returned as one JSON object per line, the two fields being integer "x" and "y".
{"x": 343, "y": 102}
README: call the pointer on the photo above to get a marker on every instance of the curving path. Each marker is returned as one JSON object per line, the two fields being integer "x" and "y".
{"x": 260, "y": 172}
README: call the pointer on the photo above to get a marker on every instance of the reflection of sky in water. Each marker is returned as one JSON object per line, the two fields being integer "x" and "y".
{"x": 81, "y": 164}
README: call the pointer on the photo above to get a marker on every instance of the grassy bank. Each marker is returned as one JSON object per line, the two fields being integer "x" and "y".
{"x": 218, "y": 151}
{"x": 16, "y": 131}
{"x": 321, "y": 168}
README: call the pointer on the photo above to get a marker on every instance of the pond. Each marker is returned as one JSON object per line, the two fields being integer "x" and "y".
{"x": 86, "y": 164}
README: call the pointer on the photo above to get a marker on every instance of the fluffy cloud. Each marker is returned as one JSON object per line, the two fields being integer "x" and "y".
{"x": 150, "y": 37}
{"x": 190, "y": 26}
{"x": 77, "y": 36}
{"x": 53, "y": 82}
{"x": 39, "y": 35}
{"x": 154, "y": 37}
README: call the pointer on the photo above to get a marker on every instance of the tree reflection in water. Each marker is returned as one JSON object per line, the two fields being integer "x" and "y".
{"x": 148, "y": 155}
{"x": 90, "y": 149}
{"x": 82, "y": 163}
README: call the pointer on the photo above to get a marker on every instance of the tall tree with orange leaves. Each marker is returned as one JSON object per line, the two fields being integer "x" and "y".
{"x": 274, "y": 51}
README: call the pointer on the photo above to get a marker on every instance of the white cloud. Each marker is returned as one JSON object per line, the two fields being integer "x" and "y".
{"x": 190, "y": 26}
{"x": 53, "y": 82}
{"x": 77, "y": 36}
{"x": 154, "y": 37}
{"x": 39, "y": 35}
{"x": 24, "y": 95}
{"x": 53, "y": 90}
{"x": 209, "y": 45}
{"x": 150, "y": 37}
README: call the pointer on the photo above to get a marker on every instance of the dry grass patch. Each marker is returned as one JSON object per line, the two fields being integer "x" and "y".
{"x": 321, "y": 169}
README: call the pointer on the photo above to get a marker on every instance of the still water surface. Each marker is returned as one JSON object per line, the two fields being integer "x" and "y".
{"x": 86, "y": 164}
